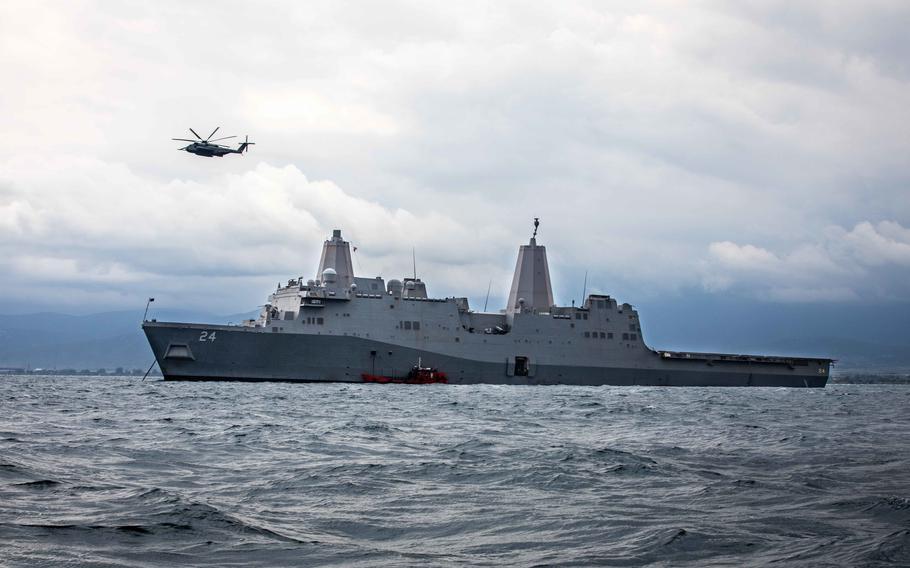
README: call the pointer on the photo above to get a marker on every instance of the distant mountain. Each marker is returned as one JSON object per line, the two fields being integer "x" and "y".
{"x": 867, "y": 336}
{"x": 105, "y": 340}
{"x": 859, "y": 336}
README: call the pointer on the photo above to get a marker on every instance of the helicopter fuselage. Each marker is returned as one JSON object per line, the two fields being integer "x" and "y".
{"x": 209, "y": 150}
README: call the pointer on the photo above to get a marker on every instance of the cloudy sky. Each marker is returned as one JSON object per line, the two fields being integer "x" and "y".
{"x": 757, "y": 152}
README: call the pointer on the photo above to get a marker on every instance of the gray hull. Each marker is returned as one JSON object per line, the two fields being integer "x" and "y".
{"x": 249, "y": 354}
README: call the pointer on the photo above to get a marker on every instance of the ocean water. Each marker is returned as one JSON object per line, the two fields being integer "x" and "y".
{"x": 117, "y": 472}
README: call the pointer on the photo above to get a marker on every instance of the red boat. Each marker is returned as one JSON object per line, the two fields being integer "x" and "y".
{"x": 416, "y": 376}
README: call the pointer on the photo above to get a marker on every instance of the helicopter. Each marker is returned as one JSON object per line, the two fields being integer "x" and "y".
{"x": 205, "y": 147}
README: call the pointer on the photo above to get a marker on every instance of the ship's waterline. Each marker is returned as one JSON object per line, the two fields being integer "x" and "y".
{"x": 340, "y": 328}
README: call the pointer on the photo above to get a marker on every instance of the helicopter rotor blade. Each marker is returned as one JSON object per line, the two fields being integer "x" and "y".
{"x": 194, "y": 133}
{"x": 224, "y": 138}
{"x": 213, "y": 132}
{"x": 183, "y": 139}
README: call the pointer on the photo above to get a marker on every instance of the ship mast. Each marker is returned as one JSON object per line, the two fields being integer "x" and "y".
{"x": 531, "y": 288}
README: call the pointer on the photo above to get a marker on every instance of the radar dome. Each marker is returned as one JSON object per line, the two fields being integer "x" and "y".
{"x": 329, "y": 275}
{"x": 410, "y": 285}
{"x": 395, "y": 287}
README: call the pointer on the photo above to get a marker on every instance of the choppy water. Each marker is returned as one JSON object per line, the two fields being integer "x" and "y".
{"x": 116, "y": 472}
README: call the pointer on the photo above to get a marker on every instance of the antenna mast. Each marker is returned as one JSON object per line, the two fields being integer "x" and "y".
{"x": 356, "y": 259}
{"x": 536, "y": 224}
{"x": 145, "y": 315}
{"x": 414, "y": 260}
{"x": 485, "y": 302}
{"x": 584, "y": 289}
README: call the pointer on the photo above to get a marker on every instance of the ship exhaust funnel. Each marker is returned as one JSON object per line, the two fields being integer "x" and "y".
{"x": 336, "y": 254}
{"x": 531, "y": 289}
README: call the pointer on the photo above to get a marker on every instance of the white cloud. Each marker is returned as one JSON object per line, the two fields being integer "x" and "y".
{"x": 664, "y": 145}
{"x": 884, "y": 243}
{"x": 868, "y": 261}
{"x": 293, "y": 109}
{"x": 78, "y": 222}
{"x": 746, "y": 257}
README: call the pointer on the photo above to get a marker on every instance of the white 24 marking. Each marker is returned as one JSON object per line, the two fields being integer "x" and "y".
{"x": 206, "y": 336}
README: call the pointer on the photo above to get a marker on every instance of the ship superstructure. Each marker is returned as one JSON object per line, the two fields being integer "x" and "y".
{"x": 337, "y": 326}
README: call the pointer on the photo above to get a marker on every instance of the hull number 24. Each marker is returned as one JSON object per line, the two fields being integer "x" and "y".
{"x": 207, "y": 336}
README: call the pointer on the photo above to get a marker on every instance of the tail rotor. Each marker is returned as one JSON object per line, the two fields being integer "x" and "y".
{"x": 244, "y": 146}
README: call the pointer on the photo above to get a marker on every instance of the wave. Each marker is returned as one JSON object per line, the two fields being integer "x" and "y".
{"x": 208, "y": 474}
{"x": 39, "y": 484}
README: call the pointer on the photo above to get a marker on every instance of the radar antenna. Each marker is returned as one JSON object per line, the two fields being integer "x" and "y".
{"x": 536, "y": 224}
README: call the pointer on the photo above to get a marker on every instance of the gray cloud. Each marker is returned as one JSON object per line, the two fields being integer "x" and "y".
{"x": 750, "y": 149}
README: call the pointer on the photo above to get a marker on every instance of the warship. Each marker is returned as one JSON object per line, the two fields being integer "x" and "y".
{"x": 338, "y": 327}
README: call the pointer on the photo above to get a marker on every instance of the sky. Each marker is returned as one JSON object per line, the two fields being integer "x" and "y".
{"x": 748, "y": 151}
